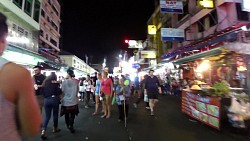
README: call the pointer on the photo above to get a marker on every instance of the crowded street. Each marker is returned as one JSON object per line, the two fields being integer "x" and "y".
{"x": 169, "y": 124}
{"x": 132, "y": 70}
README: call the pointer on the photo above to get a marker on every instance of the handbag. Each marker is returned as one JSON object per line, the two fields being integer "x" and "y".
{"x": 146, "y": 98}
{"x": 113, "y": 100}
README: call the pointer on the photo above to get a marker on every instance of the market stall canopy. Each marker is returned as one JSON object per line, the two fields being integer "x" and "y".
{"x": 212, "y": 52}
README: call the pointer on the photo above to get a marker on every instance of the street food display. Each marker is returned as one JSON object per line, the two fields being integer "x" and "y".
{"x": 205, "y": 109}
{"x": 204, "y": 103}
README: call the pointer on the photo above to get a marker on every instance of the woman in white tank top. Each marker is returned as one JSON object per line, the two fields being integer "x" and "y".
{"x": 17, "y": 100}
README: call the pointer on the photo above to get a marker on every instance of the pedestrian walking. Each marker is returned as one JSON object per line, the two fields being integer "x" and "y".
{"x": 141, "y": 93}
{"x": 19, "y": 110}
{"x": 152, "y": 88}
{"x": 107, "y": 90}
{"x": 51, "y": 92}
{"x": 122, "y": 100}
{"x": 97, "y": 92}
{"x": 69, "y": 106}
{"x": 81, "y": 89}
{"x": 38, "y": 78}
{"x": 88, "y": 84}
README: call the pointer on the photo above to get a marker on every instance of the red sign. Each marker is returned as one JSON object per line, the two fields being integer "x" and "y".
{"x": 205, "y": 109}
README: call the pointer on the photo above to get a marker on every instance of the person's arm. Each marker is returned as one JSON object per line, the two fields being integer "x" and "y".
{"x": 29, "y": 113}
{"x": 111, "y": 87}
{"x": 77, "y": 90}
{"x": 159, "y": 86}
{"x": 145, "y": 86}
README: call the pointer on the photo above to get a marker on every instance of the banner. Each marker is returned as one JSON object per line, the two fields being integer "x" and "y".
{"x": 171, "y": 6}
{"x": 135, "y": 44}
{"x": 204, "y": 109}
{"x": 172, "y": 34}
{"x": 148, "y": 54}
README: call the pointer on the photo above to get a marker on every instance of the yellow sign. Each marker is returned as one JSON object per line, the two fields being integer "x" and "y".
{"x": 151, "y": 29}
{"x": 207, "y": 3}
{"x": 148, "y": 54}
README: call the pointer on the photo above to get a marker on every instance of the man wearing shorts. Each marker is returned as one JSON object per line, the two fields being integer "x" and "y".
{"x": 152, "y": 88}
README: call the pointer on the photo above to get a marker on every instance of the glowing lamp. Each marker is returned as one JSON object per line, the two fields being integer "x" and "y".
{"x": 126, "y": 41}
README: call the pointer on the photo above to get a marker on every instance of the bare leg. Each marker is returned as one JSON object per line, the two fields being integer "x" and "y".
{"x": 96, "y": 104}
{"x": 152, "y": 105}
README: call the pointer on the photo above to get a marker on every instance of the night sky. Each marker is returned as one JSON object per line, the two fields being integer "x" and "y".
{"x": 98, "y": 28}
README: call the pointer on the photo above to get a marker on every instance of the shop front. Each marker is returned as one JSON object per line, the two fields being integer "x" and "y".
{"x": 217, "y": 72}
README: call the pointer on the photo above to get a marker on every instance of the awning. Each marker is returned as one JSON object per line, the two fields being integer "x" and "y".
{"x": 22, "y": 56}
{"x": 12, "y": 47}
{"x": 212, "y": 52}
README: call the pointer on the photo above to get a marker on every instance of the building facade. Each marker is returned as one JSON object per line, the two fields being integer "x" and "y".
{"x": 81, "y": 68}
{"x": 198, "y": 23}
{"x": 23, "y": 22}
{"x": 49, "y": 37}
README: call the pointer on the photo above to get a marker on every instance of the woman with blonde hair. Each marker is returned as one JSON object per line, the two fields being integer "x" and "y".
{"x": 107, "y": 90}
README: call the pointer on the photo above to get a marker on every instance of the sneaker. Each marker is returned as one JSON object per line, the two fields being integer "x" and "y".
{"x": 135, "y": 105}
{"x": 148, "y": 108}
{"x": 152, "y": 114}
{"x": 72, "y": 130}
{"x": 86, "y": 107}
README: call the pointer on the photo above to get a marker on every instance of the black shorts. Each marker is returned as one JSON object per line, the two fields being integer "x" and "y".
{"x": 152, "y": 95}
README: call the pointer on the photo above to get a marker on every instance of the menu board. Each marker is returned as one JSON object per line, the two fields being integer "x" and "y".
{"x": 205, "y": 109}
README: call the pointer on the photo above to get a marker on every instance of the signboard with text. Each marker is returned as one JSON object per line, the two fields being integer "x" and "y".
{"x": 171, "y": 6}
{"x": 151, "y": 29}
{"x": 172, "y": 34}
{"x": 204, "y": 109}
{"x": 148, "y": 54}
{"x": 245, "y": 5}
{"x": 135, "y": 44}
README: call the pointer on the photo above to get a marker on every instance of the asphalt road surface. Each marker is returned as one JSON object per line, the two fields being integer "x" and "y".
{"x": 168, "y": 124}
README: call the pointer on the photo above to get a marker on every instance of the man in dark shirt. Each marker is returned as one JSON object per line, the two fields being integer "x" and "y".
{"x": 152, "y": 88}
{"x": 38, "y": 81}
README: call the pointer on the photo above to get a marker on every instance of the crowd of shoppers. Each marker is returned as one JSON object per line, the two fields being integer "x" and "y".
{"x": 20, "y": 102}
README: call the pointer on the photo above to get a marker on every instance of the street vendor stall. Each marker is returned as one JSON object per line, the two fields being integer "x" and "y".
{"x": 213, "y": 105}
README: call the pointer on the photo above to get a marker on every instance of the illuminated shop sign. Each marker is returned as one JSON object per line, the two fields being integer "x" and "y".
{"x": 171, "y": 6}
{"x": 172, "y": 34}
{"x": 151, "y": 29}
{"x": 207, "y": 3}
{"x": 148, "y": 54}
{"x": 135, "y": 44}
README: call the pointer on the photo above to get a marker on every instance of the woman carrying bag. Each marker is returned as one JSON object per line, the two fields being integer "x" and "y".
{"x": 51, "y": 92}
{"x": 69, "y": 107}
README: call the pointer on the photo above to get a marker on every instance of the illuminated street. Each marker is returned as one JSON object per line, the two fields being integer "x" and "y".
{"x": 169, "y": 124}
